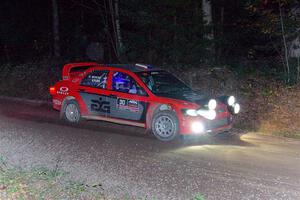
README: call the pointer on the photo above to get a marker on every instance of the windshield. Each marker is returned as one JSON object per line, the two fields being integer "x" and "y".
{"x": 162, "y": 82}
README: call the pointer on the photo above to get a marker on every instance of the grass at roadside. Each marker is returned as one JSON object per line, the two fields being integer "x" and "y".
{"x": 42, "y": 183}
{"x": 198, "y": 196}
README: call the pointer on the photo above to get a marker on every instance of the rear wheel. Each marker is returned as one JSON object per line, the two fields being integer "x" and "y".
{"x": 71, "y": 111}
{"x": 165, "y": 125}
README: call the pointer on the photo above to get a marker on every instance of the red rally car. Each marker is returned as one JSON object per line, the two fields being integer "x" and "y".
{"x": 139, "y": 95}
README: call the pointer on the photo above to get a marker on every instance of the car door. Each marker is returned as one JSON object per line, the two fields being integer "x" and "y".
{"x": 93, "y": 91}
{"x": 127, "y": 98}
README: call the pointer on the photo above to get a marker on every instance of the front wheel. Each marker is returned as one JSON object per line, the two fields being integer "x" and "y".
{"x": 165, "y": 125}
{"x": 71, "y": 111}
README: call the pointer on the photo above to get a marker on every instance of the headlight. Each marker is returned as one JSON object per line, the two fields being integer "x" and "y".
{"x": 191, "y": 112}
{"x": 231, "y": 100}
{"x": 208, "y": 114}
{"x": 212, "y": 104}
{"x": 236, "y": 108}
{"x": 211, "y": 114}
{"x": 197, "y": 127}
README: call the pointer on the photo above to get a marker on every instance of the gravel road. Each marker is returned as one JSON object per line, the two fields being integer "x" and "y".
{"x": 130, "y": 163}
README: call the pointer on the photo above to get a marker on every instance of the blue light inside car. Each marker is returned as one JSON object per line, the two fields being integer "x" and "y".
{"x": 119, "y": 80}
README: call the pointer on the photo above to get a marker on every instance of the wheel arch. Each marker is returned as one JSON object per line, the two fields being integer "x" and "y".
{"x": 63, "y": 104}
{"x": 157, "y": 107}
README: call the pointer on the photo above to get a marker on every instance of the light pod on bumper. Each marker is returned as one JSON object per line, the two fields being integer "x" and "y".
{"x": 231, "y": 100}
{"x": 212, "y": 104}
{"x": 236, "y": 108}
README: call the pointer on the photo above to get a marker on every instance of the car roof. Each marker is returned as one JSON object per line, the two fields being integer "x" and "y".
{"x": 134, "y": 67}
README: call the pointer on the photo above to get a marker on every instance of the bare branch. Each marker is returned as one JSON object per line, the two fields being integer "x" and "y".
{"x": 82, "y": 5}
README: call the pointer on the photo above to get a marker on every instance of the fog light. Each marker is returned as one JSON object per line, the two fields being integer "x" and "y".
{"x": 236, "y": 108}
{"x": 197, "y": 127}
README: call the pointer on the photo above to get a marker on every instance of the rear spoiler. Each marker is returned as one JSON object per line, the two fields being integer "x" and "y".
{"x": 68, "y": 68}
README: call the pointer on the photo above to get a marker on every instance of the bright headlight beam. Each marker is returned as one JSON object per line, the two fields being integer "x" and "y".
{"x": 211, "y": 114}
{"x": 212, "y": 104}
{"x": 197, "y": 127}
{"x": 208, "y": 114}
{"x": 191, "y": 112}
{"x": 236, "y": 108}
{"x": 231, "y": 100}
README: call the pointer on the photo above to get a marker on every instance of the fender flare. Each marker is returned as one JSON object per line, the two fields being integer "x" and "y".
{"x": 63, "y": 104}
{"x": 154, "y": 109}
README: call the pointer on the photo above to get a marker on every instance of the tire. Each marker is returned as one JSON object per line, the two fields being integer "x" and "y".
{"x": 165, "y": 126}
{"x": 71, "y": 112}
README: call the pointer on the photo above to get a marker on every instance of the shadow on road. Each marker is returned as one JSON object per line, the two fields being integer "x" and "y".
{"x": 46, "y": 115}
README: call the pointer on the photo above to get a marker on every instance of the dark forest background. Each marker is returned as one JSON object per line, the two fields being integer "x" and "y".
{"x": 246, "y": 48}
{"x": 246, "y": 35}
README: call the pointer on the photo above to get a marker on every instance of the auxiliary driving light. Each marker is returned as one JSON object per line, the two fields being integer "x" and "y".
{"x": 231, "y": 100}
{"x": 236, "y": 108}
{"x": 212, "y": 104}
{"x": 197, "y": 127}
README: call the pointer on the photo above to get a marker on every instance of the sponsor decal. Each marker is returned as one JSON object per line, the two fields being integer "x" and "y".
{"x": 99, "y": 105}
{"x": 63, "y": 91}
{"x": 127, "y": 104}
{"x": 56, "y": 102}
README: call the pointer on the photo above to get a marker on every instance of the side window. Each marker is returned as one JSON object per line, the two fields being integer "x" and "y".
{"x": 96, "y": 79}
{"x": 122, "y": 82}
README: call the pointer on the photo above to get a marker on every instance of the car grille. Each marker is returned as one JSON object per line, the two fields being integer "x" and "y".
{"x": 221, "y": 110}
{"x": 217, "y": 123}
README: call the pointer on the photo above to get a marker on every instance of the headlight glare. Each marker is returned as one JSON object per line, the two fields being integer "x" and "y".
{"x": 211, "y": 115}
{"x": 197, "y": 127}
{"x": 208, "y": 114}
{"x": 191, "y": 112}
{"x": 236, "y": 108}
{"x": 231, "y": 100}
{"x": 212, "y": 104}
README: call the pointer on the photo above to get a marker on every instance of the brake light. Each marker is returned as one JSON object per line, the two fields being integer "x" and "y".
{"x": 52, "y": 90}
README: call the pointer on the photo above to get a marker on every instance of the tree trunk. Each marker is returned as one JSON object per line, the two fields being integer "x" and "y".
{"x": 208, "y": 29}
{"x": 285, "y": 46}
{"x": 207, "y": 18}
{"x": 118, "y": 29}
{"x": 56, "y": 44}
{"x": 298, "y": 69}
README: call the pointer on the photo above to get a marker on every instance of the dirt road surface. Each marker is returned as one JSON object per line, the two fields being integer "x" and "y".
{"x": 132, "y": 164}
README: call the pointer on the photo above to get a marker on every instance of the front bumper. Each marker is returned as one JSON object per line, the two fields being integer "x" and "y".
{"x": 215, "y": 126}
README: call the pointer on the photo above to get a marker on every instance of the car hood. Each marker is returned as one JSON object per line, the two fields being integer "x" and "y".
{"x": 189, "y": 96}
